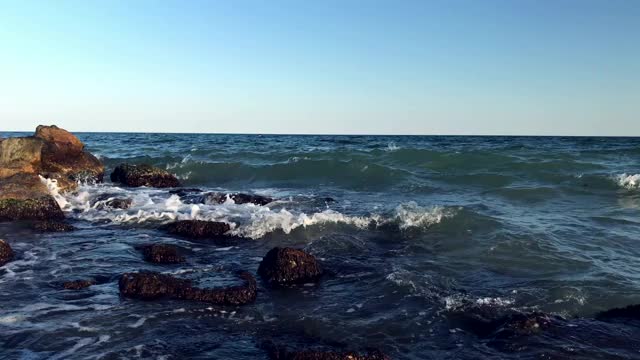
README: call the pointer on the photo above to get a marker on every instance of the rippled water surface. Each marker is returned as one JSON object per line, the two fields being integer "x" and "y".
{"x": 412, "y": 229}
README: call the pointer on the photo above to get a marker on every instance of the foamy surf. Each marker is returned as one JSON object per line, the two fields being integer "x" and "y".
{"x": 246, "y": 220}
{"x": 630, "y": 182}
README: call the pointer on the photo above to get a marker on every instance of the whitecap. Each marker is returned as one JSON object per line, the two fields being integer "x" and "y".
{"x": 630, "y": 182}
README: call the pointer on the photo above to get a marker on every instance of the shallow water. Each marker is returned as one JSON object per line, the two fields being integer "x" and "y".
{"x": 412, "y": 229}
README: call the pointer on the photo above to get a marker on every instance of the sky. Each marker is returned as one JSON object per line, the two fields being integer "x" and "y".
{"x": 527, "y": 67}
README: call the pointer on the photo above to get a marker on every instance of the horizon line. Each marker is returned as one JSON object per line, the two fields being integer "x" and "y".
{"x": 326, "y": 134}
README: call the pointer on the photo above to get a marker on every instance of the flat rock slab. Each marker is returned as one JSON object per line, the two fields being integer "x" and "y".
{"x": 153, "y": 286}
{"x": 143, "y": 175}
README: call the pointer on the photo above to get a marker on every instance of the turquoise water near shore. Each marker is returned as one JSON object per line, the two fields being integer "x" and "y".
{"x": 412, "y": 228}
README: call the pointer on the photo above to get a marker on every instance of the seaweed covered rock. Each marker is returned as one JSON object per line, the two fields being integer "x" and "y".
{"x": 161, "y": 254}
{"x": 77, "y": 284}
{"x": 143, "y": 175}
{"x": 198, "y": 229}
{"x": 52, "y": 226}
{"x": 283, "y": 353}
{"x": 24, "y": 197}
{"x": 6, "y": 253}
{"x": 287, "y": 266}
{"x": 153, "y": 285}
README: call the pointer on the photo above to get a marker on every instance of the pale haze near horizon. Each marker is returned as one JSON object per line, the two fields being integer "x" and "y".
{"x": 567, "y": 67}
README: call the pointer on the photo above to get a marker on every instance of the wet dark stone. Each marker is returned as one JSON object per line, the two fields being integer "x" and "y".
{"x": 198, "y": 229}
{"x": 283, "y": 353}
{"x": 631, "y": 312}
{"x": 43, "y": 208}
{"x": 52, "y": 226}
{"x": 161, "y": 254}
{"x": 119, "y": 203}
{"x": 6, "y": 253}
{"x": 487, "y": 321}
{"x": 143, "y": 175}
{"x": 185, "y": 191}
{"x": 153, "y": 285}
{"x": 77, "y": 284}
{"x": 287, "y": 266}
{"x": 238, "y": 198}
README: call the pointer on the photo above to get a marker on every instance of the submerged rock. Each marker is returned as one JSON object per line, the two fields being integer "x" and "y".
{"x": 52, "y": 226}
{"x": 153, "y": 285}
{"x": 161, "y": 254}
{"x": 283, "y": 353}
{"x": 287, "y": 266}
{"x": 24, "y": 197}
{"x": 143, "y": 175}
{"x": 198, "y": 229}
{"x": 6, "y": 253}
{"x": 78, "y": 284}
{"x": 119, "y": 203}
{"x": 489, "y": 321}
{"x": 631, "y": 312}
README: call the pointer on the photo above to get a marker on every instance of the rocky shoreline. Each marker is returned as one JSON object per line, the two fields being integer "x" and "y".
{"x": 52, "y": 154}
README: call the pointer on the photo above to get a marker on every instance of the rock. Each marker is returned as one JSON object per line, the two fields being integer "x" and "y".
{"x": 143, "y": 175}
{"x": 52, "y": 226}
{"x": 282, "y": 353}
{"x": 20, "y": 155}
{"x": 238, "y": 198}
{"x": 153, "y": 285}
{"x": 6, "y": 253}
{"x": 24, "y": 197}
{"x": 53, "y": 153}
{"x": 489, "y": 321}
{"x": 78, "y": 284}
{"x": 119, "y": 203}
{"x": 198, "y": 229}
{"x": 161, "y": 254}
{"x": 631, "y": 312}
{"x": 287, "y": 266}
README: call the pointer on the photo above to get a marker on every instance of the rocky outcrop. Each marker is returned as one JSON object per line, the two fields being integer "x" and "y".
{"x": 161, "y": 254}
{"x": 24, "y": 197}
{"x": 78, "y": 284}
{"x": 119, "y": 203}
{"x": 52, "y": 226}
{"x": 6, "y": 253}
{"x": 54, "y": 154}
{"x": 153, "y": 285}
{"x": 288, "y": 266}
{"x": 143, "y": 175}
{"x": 283, "y": 353}
{"x": 198, "y": 229}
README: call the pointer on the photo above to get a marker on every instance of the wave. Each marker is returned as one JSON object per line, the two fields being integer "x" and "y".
{"x": 246, "y": 220}
{"x": 630, "y": 182}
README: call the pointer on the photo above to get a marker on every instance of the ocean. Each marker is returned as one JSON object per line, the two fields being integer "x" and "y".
{"x": 422, "y": 236}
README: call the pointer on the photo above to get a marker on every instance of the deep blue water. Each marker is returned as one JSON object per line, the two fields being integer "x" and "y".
{"x": 422, "y": 228}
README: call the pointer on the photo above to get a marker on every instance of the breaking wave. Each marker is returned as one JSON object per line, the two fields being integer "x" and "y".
{"x": 246, "y": 220}
{"x": 630, "y": 182}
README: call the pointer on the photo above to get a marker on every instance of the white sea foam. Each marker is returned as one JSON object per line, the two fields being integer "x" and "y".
{"x": 247, "y": 220}
{"x": 459, "y": 301}
{"x": 392, "y": 147}
{"x": 54, "y": 190}
{"x": 630, "y": 182}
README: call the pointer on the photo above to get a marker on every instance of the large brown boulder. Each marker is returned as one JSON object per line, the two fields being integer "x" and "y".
{"x": 53, "y": 153}
{"x": 24, "y": 197}
{"x": 6, "y": 253}
{"x": 288, "y": 266}
{"x": 143, "y": 175}
{"x": 153, "y": 285}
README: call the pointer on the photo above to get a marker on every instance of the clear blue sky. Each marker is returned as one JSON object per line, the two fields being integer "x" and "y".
{"x": 333, "y": 66}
